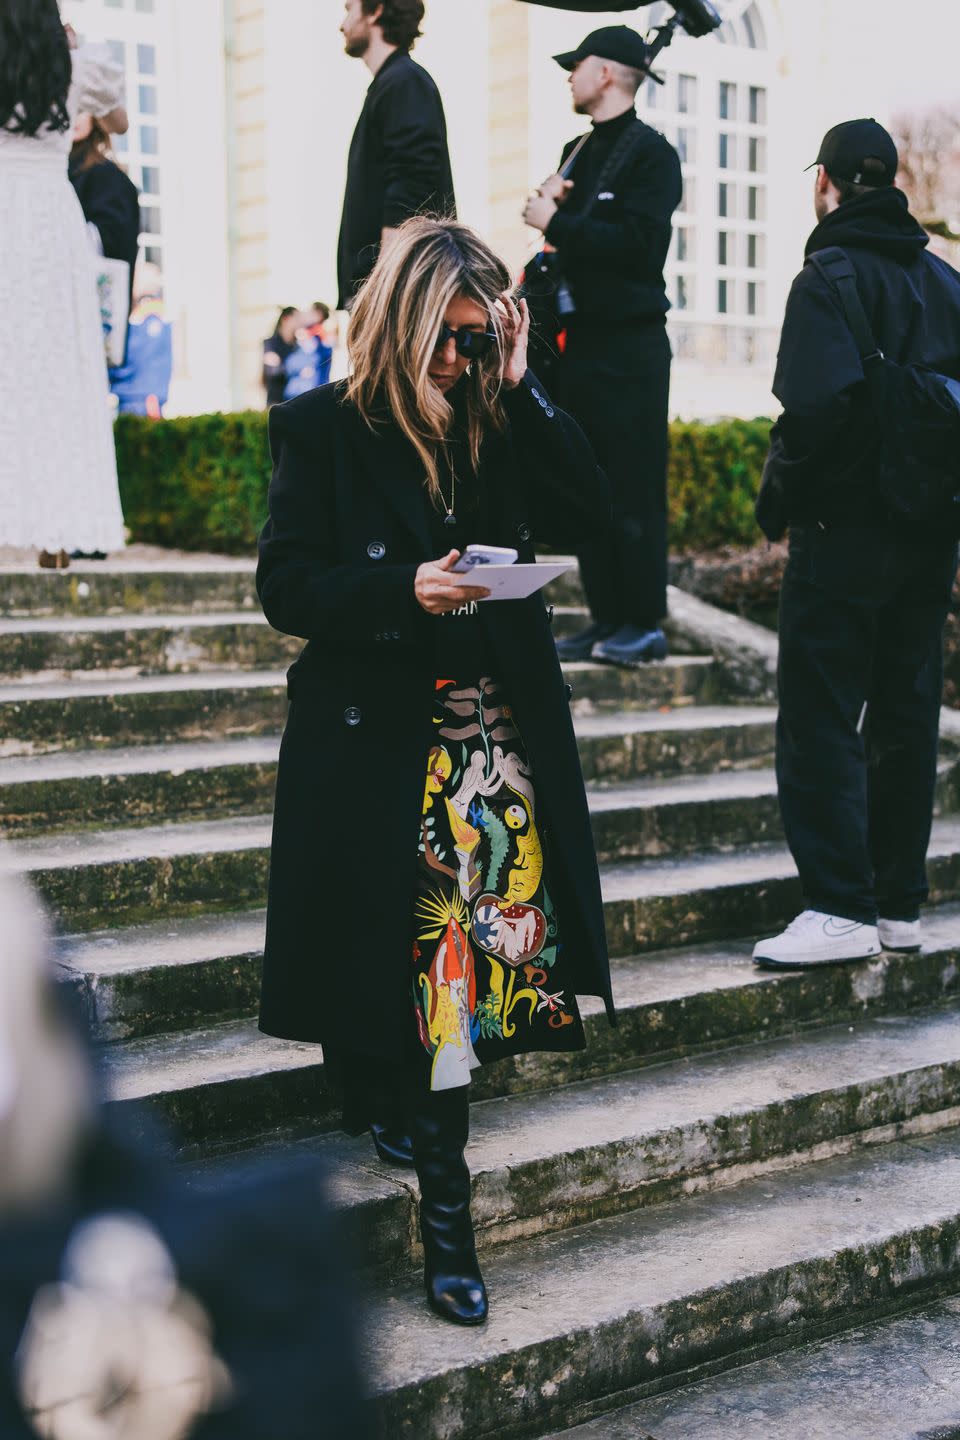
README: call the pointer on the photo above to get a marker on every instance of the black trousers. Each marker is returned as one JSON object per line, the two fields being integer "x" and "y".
{"x": 616, "y": 384}
{"x": 860, "y": 677}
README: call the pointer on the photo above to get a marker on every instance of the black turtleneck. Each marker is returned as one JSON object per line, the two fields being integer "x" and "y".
{"x": 612, "y": 250}
{"x": 589, "y": 164}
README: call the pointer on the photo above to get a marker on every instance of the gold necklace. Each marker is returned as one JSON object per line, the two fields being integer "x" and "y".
{"x": 450, "y": 518}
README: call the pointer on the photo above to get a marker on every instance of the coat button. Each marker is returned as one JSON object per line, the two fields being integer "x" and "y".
{"x": 534, "y": 392}
{"x": 569, "y": 690}
{"x": 352, "y": 715}
{"x": 550, "y": 412}
{"x": 523, "y": 531}
{"x": 549, "y": 614}
{"x": 376, "y": 549}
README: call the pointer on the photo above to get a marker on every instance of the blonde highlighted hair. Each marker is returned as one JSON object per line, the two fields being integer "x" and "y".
{"x": 395, "y": 325}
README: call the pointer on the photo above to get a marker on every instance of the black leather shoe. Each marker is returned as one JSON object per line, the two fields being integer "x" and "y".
{"x": 631, "y": 646}
{"x": 451, "y": 1272}
{"x": 579, "y": 646}
{"x": 390, "y": 1143}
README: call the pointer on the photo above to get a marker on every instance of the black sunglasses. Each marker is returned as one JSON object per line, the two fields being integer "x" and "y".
{"x": 471, "y": 344}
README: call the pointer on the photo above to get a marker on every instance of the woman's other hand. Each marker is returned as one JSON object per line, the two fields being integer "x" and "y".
{"x": 516, "y": 336}
{"x": 71, "y": 34}
{"x": 437, "y": 593}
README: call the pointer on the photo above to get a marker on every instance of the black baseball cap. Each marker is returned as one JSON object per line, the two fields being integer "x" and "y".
{"x": 847, "y": 147}
{"x": 612, "y": 42}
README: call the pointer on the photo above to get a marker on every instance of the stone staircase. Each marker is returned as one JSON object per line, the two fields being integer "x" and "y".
{"x": 748, "y": 1164}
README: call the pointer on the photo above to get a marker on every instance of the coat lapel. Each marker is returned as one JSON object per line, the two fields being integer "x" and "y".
{"x": 392, "y": 464}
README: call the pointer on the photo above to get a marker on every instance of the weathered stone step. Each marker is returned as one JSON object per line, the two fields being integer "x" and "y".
{"x": 581, "y": 1319}
{"x": 122, "y": 588}
{"x": 898, "y": 1379}
{"x": 142, "y": 644}
{"x": 89, "y": 788}
{"x": 86, "y": 788}
{"x": 700, "y": 738}
{"x": 117, "y": 877}
{"x": 104, "y": 710}
{"x": 169, "y": 976}
{"x": 185, "y": 585}
{"x": 108, "y": 709}
{"x": 599, "y": 1147}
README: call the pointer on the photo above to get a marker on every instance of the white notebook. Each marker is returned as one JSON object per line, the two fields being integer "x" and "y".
{"x": 514, "y": 582}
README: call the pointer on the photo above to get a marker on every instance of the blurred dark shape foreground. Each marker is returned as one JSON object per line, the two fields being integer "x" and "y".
{"x": 131, "y": 1309}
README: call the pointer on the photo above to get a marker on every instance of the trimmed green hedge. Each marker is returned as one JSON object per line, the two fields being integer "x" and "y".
{"x": 200, "y": 482}
{"x": 196, "y": 483}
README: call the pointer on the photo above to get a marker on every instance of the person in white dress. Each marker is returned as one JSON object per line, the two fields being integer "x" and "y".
{"x": 58, "y": 469}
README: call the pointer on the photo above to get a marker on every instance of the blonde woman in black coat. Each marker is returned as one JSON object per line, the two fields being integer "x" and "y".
{"x": 434, "y": 898}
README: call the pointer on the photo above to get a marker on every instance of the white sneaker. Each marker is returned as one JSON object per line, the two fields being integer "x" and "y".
{"x": 818, "y": 939}
{"x": 902, "y": 935}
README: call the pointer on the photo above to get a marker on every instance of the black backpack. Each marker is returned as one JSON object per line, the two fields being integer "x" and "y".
{"x": 917, "y": 412}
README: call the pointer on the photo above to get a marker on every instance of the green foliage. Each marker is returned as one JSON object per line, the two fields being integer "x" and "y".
{"x": 714, "y": 478}
{"x": 196, "y": 483}
{"x": 200, "y": 482}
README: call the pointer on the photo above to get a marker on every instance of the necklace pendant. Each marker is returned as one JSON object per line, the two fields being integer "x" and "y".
{"x": 450, "y": 519}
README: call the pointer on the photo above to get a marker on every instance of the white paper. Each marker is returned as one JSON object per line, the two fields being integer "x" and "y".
{"x": 513, "y": 582}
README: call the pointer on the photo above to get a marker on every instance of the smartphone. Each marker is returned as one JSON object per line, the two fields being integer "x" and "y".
{"x": 475, "y": 555}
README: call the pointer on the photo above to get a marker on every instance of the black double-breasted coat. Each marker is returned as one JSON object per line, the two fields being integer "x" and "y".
{"x": 348, "y": 527}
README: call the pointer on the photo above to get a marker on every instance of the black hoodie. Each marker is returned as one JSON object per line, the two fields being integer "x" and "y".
{"x": 823, "y": 450}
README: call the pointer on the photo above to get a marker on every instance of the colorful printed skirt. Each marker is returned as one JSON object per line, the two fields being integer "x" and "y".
{"x": 488, "y": 959}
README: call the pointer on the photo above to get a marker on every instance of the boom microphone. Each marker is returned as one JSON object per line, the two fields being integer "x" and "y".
{"x": 696, "y": 17}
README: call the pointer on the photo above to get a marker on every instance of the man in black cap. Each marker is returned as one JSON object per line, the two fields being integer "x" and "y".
{"x": 864, "y": 597}
{"x": 608, "y": 215}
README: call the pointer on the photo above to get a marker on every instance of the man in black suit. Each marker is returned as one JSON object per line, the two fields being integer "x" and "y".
{"x": 609, "y": 220}
{"x": 399, "y": 164}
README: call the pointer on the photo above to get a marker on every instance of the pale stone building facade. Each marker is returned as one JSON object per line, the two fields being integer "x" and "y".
{"x": 243, "y": 115}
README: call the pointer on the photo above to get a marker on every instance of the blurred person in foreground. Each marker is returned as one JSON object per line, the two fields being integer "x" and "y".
{"x": 869, "y": 577}
{"x": 399, "y": 164}
{"x": 130, "y": 1308}
{"x": 58, "y": 471}
{"x": 280, "y": 344}
{"x": 609, "y": 223}
{"x": 434, "y": 900}
{"x": 142, "y": 383}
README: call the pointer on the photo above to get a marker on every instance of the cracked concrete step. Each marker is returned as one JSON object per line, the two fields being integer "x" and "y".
{"x": 117, "y": 587}
{"x": 171, "y": 975}
{"x": 581, "y": 1319}
{"x": 107, "y": 709}
{"x": 898, "y": 1379}
{"x": 92, "y": 880}
{"x": 142, "y": 644}
{"x": 146, "y": 783}
{"x": 603, "y": 1146}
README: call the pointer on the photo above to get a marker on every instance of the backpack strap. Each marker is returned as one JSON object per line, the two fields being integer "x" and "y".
{"x": 837, "y": 269}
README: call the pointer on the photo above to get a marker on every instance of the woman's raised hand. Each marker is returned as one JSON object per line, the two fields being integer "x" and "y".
{"x": 437, "y": 593}
{"x": 516, "y": 335}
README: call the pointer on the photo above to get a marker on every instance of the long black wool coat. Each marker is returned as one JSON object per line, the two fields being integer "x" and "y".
{"x": 348, "y": 528}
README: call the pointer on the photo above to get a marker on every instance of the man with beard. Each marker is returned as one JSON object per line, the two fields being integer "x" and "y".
{"x": 399, "y": 164}
{"x": 610, "y": 223}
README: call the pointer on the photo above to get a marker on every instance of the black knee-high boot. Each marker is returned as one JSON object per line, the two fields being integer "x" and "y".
{"x": 440, "y": 1125}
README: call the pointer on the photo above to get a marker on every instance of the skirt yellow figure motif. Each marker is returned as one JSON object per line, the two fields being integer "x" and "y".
{"x": 488, "y": 961}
